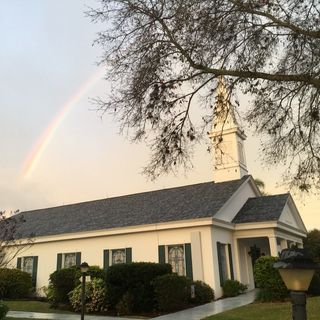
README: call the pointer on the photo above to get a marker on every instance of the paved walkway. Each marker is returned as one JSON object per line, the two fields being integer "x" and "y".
{"x": 196, "y": 313}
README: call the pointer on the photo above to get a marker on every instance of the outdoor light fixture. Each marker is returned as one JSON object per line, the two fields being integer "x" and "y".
{"x": 84, "y": 267}
{"x": 296, "y": 269}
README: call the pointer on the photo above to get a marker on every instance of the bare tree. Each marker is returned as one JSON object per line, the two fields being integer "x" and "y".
{"x": 162, "y": 54}
{"x": 10, "y": 243}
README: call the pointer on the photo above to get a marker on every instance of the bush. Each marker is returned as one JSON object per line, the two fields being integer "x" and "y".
{"x": 314, "y": 288}
{"x": 232, "y": 288}
{"x": 95, "y": 272}
{"x": 172, "y": 292}
{"x": 14, "y": 284}
{"x": 125, "y": 305}
{"x": 95, "y": 296}
{"x": 3, "y": 310}
{"x": 269, "y": 280}
{"x": 203, "y": 293}
{"x": 61, "y": 283}
{"x": 134, "y": 279}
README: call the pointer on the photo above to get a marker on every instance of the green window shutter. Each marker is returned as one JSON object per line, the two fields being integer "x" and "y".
{"x": 128, "y": 255}
{"x": 106, "y": 260}
{"x": 34, "y": 271}
{"x": 19, "y": 263}
{"x": 230, "y": 261}
{"x": 59, "y": 261}
{"x": 78, "y": 259}
{"x": 162, "y": 254}
{"x": 188, "y": 257}
{"x": 220, "y": 263}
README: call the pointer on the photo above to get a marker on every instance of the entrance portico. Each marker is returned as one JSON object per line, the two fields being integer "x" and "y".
{"x": 252, "y": 240}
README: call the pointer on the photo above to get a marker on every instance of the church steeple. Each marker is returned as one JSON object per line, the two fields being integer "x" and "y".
{"x": 227, "y": 138}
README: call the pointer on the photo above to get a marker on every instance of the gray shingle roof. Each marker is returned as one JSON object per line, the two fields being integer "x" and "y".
{"x": 174, "y": 204}
{"x": 267, "y": 208}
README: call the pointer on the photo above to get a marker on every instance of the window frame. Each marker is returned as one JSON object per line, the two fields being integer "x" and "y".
{"x": 227, "y": 250}
{"x": 167, "y": 248}
{"x": 163, "y": 257}
{"x": 63, "y": 261}
{"x": 108, "y": 255}
{"x": 34, "y": 271}
{"x": 112, "y": 251}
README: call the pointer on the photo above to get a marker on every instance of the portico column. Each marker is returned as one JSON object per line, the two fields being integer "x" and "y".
{"x": 236, "y": 260}
{"x": 284, "y": 244}
{"x": 273, "y": 246}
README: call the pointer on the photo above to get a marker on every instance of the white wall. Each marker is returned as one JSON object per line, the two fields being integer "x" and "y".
{"x": 144, "y": 248}
{"x": 224, "y": 236}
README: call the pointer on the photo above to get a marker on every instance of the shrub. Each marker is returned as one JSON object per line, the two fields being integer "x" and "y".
{"x": 134, "y": 279}
{"x": 95, "y": 296}
{"x": 14, "y": 284}
{"x": 125, "y": 305}
{"x": 314, "y": 288}
{"x": 3, "y": 310}
{"x": 61, "y": 283}
{"x": 269, "y": 280}
{"x": 232, "y": 288}
{"x": 95, "y": 272}
{"x": 203, "y": 293}
{"x": 172, "y": 292}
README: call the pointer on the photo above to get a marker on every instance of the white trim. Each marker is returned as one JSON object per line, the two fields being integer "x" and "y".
{"x": 199, "y": 222}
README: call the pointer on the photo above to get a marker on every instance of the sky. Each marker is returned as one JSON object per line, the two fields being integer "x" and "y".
{"x": 55, "y": 148}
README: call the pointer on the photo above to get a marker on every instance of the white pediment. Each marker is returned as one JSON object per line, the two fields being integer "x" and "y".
{"x": 291, "y": 216}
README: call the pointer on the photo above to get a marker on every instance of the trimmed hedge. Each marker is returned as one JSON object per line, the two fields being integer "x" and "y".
{"x": 268, "y": 279}
{"x": 203, "y": 293}
{"x": 232, "y": 288}
{"x": 14, "y": 284}
{"x": 132, "y": 284}
{"x": 3, "y": 310}
{"x": 172, "y": 292}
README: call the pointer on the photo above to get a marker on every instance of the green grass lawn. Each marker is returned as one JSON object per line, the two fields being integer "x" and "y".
{"x": 261, "y": 311}
{"x": 268, "y": 311}
{"x": 8, "y": 318}
{"x": 32, "y": 306}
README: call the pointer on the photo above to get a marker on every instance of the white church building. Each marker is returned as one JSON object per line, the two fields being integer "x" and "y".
{"x": 210, "y": 231}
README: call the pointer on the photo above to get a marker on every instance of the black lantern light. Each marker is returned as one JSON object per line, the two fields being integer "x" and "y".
{"x": 296, "y": 269}
{"x": 84, "y": 267}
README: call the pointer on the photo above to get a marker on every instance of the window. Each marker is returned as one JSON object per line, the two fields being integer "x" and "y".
{"x": 223, "y": 153}
{"x": 116, "y": 256}
{"x": 176, "y": 259}
{"x": 30, "y": 265}
{"x": 241, "y": 153}
{"x": 68, "y": 260}
{"x": 179, "y": 256}
{"x": 27, "y": 264}
{"x": 225, "y": 262}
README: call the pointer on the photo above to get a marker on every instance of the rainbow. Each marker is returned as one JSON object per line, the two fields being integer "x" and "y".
{"x": 40, "y": 146}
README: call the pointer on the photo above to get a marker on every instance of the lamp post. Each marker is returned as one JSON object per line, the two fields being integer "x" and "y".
{"x": 296, "y": 269}
{"x": 84, "y": 267}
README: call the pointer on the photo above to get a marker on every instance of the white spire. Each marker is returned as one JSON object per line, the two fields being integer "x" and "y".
{"x": 227, "y": 138}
